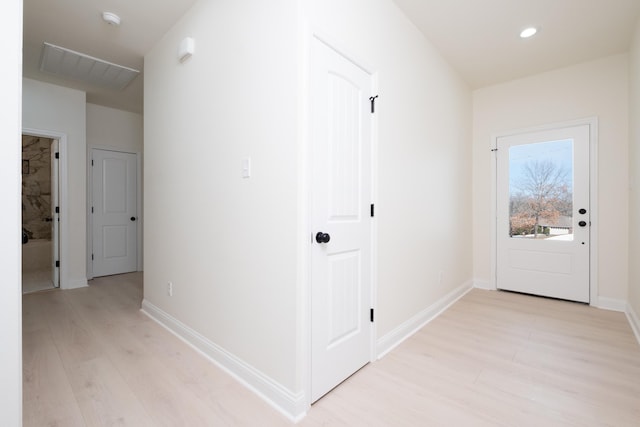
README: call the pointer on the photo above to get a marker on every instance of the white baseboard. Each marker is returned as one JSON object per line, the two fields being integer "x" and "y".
{"x": 394, "y": 338}
{"x": 292, "y": 405}
{"x": 75, "y": 284}
{"x": 634, "y": 321}
{"x": 612, "y": 304}
{"x": 483, "y": 284}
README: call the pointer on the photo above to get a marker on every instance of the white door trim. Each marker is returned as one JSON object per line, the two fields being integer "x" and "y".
{"x": 592, "y": 122}
{"x": 63, "y": 198}
{"x": 306, "y": 193}
{"x": 55, "y": 201}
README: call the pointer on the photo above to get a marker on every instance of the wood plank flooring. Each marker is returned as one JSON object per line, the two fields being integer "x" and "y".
{"x": 493, "y": 359}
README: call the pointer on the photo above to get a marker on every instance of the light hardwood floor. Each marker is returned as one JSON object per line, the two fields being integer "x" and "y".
{"x": 493, "y": 359}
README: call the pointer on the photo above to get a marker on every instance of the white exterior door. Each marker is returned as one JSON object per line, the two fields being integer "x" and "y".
{"x": 341, "y": 239}
{"x": 543, "y": 213}
{"x": 115, "y": 218}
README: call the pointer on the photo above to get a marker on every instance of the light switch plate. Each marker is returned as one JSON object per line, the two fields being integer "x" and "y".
{"x": 246, "y": 167}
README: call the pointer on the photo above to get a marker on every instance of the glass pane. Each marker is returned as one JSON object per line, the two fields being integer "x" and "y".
{"x": 541, "y": 190}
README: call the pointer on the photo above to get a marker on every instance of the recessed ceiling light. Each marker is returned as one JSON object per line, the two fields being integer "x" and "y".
{"x": 528, "y": 32}
{"x": 111, "y": 18}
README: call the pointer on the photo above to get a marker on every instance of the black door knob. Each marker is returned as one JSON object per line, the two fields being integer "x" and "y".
{"x": 582, "y": 211}
{"x": 582, "y": 223}
{"x": 322, "y": 237}
{"x": 133, "y": 218}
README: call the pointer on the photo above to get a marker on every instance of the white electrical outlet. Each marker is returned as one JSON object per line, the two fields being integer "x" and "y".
{"x": 170, "y": 289}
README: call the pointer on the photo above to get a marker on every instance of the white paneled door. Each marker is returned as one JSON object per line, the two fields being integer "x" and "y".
{"x": 341, "y": 125}
{"x": 115, "y": 217}
{"x": 543, "y": 213}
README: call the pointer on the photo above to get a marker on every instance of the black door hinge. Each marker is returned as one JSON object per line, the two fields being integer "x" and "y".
{"x": 372, "y": 210}
{"x": 91, "y": 257}
{"x": 57, "y": 263}
{"x": 57, "y": 155}
{"x": 371, "y": 314}
{"x": 91, "y": 162}
{"x": 57, "y": 209}
{"x": 373, "y": 103}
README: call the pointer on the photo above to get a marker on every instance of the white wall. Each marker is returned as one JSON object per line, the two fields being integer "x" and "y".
{"x": 424, "y": 151}
{"x": 113, "y": 129}
{"x": 232, "y": 246}
{"x": 228, "y": 244}
{"x": 10, "y": 216}
{"x": 598, "y": 88}
{"x": 49, "y": 107}
{"x": 634, "y": 164}
{"x": 118, "y": 130}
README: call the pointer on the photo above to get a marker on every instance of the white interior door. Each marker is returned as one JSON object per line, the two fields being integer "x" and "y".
{"x": 115, "y": 216}
{"x": 543, "y": 213}
{"x": 55, "y": 213}
{"x": 341, "y": 197}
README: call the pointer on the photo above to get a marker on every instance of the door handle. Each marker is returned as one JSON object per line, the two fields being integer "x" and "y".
{"x": 133, "y": 218}
{"x": 322, "y": 237}
{"x": 582, "y": 223}
{"x": 582, "y": 211}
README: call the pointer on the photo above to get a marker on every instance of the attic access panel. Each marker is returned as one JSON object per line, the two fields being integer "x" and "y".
{"x": 73, "y": 65}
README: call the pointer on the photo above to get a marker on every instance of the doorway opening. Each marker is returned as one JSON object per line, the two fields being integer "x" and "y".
{"x": 40, "y": 213}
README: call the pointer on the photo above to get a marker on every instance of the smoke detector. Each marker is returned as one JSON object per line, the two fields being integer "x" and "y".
{"x": 111, "y": 18}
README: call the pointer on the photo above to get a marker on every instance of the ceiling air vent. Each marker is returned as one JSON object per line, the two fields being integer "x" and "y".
{"x": 77, "y": 66}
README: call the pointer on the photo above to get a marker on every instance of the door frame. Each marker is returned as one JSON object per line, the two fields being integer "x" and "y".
{"x": 63, "y": 186}
{"x": 592, "y": 122}
{"x": 55, "y": 201}
{"x": 140, "y": 219}
{"x": 306, "y": 196}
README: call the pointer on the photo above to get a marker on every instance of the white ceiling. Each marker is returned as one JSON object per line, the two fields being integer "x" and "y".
{"x": 78, "y": 25}
{"x": 478, "y": 37}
